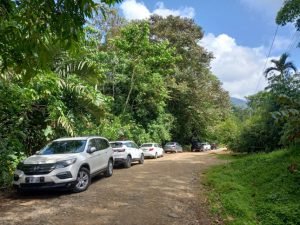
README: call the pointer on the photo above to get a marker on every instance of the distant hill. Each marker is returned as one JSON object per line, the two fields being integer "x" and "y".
{"x": 238, "y": 102}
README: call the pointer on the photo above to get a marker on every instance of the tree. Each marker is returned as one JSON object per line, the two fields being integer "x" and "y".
{"x": 279, "y": 76}
{"x": 281, "y": 66}
{"x": 136, "y": 71}
{"x": 32, "y": 32}
{"x": 195, "y": 93}
{"x": 289, "y": 13}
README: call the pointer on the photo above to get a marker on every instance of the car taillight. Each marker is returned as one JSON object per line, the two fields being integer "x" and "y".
{"x": 151, "y": 149}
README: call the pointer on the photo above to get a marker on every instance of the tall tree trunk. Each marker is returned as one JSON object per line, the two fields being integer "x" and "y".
{"x": 130, "y": 90}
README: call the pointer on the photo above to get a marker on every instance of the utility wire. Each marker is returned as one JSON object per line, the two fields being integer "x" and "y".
{"x": 267, "y": 59}
{"x": 294, "y": 41}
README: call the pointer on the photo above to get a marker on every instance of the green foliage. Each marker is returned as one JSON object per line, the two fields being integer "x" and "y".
{"x": 136, "y": 74}
{"x": 289, "y": 13}
{"x": 227, "y": 131}
{"x": 61, "y": 76}
{"x": 195, "y": 94}
{"x": 257, "y": 189}
{"x": 32, "y": 33}
{"x": 272, "y": 119}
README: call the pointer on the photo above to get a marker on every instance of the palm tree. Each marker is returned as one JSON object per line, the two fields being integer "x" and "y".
{"x": 281, "y": 69}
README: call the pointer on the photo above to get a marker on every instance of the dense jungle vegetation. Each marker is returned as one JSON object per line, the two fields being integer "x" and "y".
{"x": 71, "y": 69}
{"x": 80, "y": 69}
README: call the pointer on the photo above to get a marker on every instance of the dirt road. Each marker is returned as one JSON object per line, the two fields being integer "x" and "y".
{"x": 160, "y": 192}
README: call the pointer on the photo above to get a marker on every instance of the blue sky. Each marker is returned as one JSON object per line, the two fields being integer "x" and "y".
{"x": 238, "y": 32}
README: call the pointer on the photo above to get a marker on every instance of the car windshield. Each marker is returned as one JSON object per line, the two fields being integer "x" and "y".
{"x": 116, "y": 144}
{"x": 146, "y": 145}
{"x": 64, "y": 147}
{"x": 170, "y": 143}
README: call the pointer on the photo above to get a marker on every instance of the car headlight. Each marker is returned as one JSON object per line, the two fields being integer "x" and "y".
{"x": 65, "y": 163}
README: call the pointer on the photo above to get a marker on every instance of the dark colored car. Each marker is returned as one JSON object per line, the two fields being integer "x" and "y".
{"x": 197, "y": 146}
{"x": 214, "y": 146}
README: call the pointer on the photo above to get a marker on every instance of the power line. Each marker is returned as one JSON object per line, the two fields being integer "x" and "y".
{"x": 294, "y": 41}
{"x": 267, "y": 59}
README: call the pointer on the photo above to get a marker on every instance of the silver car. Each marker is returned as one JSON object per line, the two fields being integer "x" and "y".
{"x": 172, "y": 147}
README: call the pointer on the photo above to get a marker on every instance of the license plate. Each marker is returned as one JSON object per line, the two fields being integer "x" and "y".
{"x": 33, "y": 180}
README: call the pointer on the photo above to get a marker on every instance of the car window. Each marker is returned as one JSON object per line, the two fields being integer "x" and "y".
{"x": 171, "y": 143}
{"x": 134, "y": 145}
{"x": 128, "y": 144}
{"x": 116, "y": 144}
{"x": 93, "y": 143}
{"x": 64, "y": 147}
{"x": 102, "y": 144}
{"x": 146, "y": 145}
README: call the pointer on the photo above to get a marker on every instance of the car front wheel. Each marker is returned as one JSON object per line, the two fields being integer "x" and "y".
{"x": 83, "y": 180}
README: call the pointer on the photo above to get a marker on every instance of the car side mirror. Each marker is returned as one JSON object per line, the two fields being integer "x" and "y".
{"x": 37, "y": 152}
{"x": 91, "y": 150}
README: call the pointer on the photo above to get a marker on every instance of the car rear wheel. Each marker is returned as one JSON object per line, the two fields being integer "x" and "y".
{"x": 109, "y": 169}
{"x": 127, "y": 163}
{"x": 141, "y": 161}
{"x": 83, "y": 180}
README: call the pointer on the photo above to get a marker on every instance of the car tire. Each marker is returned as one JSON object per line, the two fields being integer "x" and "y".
{"x": 128, "y": 161}
{"x": 110, "y": 169}
{"x": 141, "y": 161}
{"x": 83, "y": 180}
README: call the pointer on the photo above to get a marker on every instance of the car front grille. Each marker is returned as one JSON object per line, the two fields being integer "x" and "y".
{"x": 37, "y": 169}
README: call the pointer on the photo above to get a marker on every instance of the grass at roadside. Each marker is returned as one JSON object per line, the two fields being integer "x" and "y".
{"x": 257, "y": 189}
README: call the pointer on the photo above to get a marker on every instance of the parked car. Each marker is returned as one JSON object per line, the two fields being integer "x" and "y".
{"x": 126, "y": 152}
{"x": 200, "y": 146}
{"x": 214, "y": 146}
{"x": 152, "y": 150}
{"x": 172, "y": 147}
{"x": 206, "y": 146}
{"x": 66, "y": 163}
{"x": 196, "y": 146}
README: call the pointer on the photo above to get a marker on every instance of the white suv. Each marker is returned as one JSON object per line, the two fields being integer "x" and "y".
{"x": 66, "y": 163}
{"x": 126, "y": 152}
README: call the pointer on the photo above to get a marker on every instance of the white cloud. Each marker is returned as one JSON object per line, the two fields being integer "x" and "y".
{"x": 161, "y": 10}
{"x": 240, "y": 68}
{"x": 134, "y": 10}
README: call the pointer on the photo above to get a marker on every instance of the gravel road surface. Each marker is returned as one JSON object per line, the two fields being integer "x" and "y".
{"x": 163, "y": 191}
